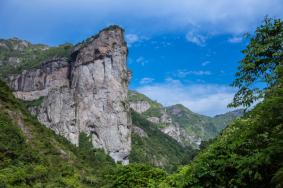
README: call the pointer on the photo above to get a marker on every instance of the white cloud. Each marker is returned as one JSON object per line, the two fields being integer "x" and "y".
{"x": 235, "y": 39}
{"x": 131, "y": 39}
{"x": 208, "y": 99}
{"x": 205, "y": 63}
{"x": 34, "y": 20}
{"x": 184, "y": 73}
{"x": 196, "y": 38}
{"x": 141, "y": 60}
{"x": 146, "y": 80}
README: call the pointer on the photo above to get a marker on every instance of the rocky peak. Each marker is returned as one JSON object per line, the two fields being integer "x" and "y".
{"x": 14, "y": 44}
{"x": 86, "y": 93}
{"x": 178, "y": 109}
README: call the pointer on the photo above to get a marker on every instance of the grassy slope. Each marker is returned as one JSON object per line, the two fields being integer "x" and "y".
{"x": 31, "y": 154}
{"x": 249, "y": 153}
{"x": 157, "y": 147}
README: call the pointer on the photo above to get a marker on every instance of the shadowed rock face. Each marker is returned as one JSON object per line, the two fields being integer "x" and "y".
{"x": 85, "y": 94}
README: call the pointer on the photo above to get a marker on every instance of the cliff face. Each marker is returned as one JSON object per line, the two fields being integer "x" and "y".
{"x": 85, "y": 94}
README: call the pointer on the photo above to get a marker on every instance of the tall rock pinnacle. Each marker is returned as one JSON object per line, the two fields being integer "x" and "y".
{"x": 85, "y": 94}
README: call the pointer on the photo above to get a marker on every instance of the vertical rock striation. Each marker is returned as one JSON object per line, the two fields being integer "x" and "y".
{"x": 87, "y": 93}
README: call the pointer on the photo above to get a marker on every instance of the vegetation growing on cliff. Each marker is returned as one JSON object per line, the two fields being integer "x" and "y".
{"x": 17, "y": 55}
{"x": 157, "y": 149}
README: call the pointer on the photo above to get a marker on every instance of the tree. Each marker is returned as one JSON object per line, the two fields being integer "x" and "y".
{"x": 259, "y": 69}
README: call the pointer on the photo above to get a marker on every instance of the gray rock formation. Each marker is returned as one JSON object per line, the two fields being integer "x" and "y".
{"x": 177, "y": 132}
{"x": 139, "y": 131}
{"x": 87, "y": 93}
{"x": 140, "y": 106}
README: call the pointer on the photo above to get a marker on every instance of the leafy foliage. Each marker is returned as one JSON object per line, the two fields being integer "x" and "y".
{"x": 138, "y": 175}
{"x": 263, "y": 57}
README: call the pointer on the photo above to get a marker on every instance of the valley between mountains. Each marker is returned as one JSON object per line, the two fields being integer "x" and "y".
{"x": 68, "y": 119}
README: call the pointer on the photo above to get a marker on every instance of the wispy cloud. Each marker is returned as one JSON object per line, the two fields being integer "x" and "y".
{"x": 235, "y": 39}
{"x": 184, "y": 73}
{"x": 141, "y": 60}
{"x": 205, "y": 63}
{"x": 132, "y": 38}
{"x": 135, "y": 39}
{"x": 196, "y": 38}
{"x": 34, "y": 19}
{"x": 146, "y": 80}
{"x": 208, "y": 99}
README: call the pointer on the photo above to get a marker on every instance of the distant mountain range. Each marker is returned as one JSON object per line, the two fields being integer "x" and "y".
{"x": 177, "y": 121}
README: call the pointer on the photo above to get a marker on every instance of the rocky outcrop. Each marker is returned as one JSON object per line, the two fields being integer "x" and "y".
{"x": 181, "y": 135}
{"x": 84, "y": 94}
{"x": 140, "y": 106}
{"x": 139, "y": 131}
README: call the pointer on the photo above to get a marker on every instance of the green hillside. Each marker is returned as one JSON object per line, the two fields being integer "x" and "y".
{"x": 31, "y": 154}
{"x": 249, "y": 153}
{"x": 203, "y": 126}
{"x": 157, "y": 148}
{"x": 195, "y": 124}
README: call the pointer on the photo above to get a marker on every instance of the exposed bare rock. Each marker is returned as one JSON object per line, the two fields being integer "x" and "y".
{"x": 33, "y": 84}
{"x": 140, "y": 106}
{"x": 154, "y": 119}
{"x": 85, "y": 94}
{"x": 139, "y": 131}
{"x": 181, "y": 135}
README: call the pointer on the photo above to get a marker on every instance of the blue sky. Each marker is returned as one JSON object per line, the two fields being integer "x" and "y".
{"x": 180, "y": 51}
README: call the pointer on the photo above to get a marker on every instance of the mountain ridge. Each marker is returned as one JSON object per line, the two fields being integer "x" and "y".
{"x": 187, "y": 127}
